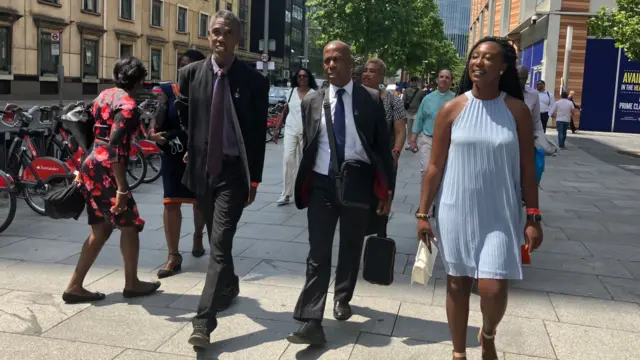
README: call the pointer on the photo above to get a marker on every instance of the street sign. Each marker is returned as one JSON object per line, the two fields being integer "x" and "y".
{"x": 264, "y": 57}
{"x": 55, "y": 36}
{"x": 55, "y": 49}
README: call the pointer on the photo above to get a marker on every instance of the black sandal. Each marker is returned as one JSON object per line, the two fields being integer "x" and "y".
{"x": 198, "y": 253}
{"x": 69, "y": 298}
{"x": 164, "y": 273}
{"x": 129, "y": 294}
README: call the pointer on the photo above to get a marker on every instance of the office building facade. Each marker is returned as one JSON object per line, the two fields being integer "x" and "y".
{"x": 88, "y": 36}
{"x": 456, "y": 14}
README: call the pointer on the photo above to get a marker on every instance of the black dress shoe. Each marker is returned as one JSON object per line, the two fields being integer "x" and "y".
{"x": 342, "y": 311}
{"x": 310, "y": 333}
{"x": 200, "y": 337}
{"x": 227, "y": 296}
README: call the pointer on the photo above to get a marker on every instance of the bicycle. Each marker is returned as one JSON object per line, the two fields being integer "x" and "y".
{"x": 33, "y": 175}
{"x": 8, "y": 199}
{"x": 150, "y": 149}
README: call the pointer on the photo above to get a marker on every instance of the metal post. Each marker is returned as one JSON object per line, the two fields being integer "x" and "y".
{"x": 305, "y": 61}
{"x": 567, "y": 59}
{"x": 60, "y": 70}
{"x": 265, "y": 67}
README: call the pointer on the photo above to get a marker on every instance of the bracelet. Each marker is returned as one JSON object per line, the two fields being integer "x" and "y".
{"x": 422, "y": 216}
{"x": 122, "y": 192}
{"x": 395, "y": 150}
{"x": 255, "y": 185}
{"x": 533, "y": 211}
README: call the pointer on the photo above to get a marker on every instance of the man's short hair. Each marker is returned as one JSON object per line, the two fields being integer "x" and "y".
{"x": 564, "y": 95}
{"x": 541, "y": 82}
{"x": 447, "y": 70}
{"x": 380, "y": 63}
{"x": 415, "y": 79}
{"x": 232, "y": 20}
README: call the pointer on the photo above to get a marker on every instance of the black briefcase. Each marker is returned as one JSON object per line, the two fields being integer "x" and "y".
{"x": 379, "y": 260}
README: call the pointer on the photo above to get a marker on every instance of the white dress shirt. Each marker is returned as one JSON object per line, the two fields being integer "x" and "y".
{"x": 547, "y": 102}
{"x": 293, "y": 125}
{"x": 353, "y": 149}
{"x": 532, "y": 99}
{"x": 565, "y": 110}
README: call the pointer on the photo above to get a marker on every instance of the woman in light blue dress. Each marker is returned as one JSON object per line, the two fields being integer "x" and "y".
{"x": 481, "y": 169}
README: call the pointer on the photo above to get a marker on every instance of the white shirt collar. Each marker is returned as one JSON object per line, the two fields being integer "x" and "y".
{"x": 348, "y": 88}
{"x": 528, "y": 89}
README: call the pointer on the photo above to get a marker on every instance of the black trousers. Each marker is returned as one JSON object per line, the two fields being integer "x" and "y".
{"x": 544, "y": 117}
{"x": 221, "y": 208}
{"x": 323, "y": 215}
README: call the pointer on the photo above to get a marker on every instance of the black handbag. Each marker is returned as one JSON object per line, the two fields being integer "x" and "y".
{"x": 354, "y": 179}
{"x": 64, "y": 203}
{"x": 379, "y": 260}
{"x": 79, "y": 121}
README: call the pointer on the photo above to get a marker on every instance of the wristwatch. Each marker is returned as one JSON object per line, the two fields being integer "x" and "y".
{"x": 535, "y": 218}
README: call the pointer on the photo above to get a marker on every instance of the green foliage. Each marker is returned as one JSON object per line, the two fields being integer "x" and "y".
{"x": 406, "y": 34}
{"x": 622, "y": 24}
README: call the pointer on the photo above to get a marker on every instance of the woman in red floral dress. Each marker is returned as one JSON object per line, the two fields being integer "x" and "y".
{"x": 104, "y": 184}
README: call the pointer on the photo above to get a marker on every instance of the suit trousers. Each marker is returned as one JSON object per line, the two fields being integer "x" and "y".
{"x": 323, "y": 215}
{"x": 544, "y": 118}
{"x": 291, "y": 161}
{"x": 221, "y": 208}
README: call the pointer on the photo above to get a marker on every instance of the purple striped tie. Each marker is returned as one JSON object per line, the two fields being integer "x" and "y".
{"x": 216, "y": 126}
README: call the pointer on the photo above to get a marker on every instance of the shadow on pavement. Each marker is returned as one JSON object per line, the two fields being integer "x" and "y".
{"x": 625, "y": 160}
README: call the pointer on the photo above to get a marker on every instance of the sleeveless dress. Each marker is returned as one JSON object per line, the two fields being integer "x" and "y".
{"x": 478, "y": 209}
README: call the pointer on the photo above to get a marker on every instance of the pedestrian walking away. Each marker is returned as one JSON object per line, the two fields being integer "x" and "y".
{"x": 481, "y": 169}
{"x": 422, "y": 131}
{"x": 103, "y": 182}
{"x": 412, "y": 99}
{"x": 302, "y": 83}
{"x": 357, "y": 129}
{"x": 547, "y": 104}
{"x": 223, "y": 103}
{"x": 565, "y": 109}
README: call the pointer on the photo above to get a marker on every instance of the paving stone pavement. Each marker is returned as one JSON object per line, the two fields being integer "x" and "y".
{"x": 578, "y": 300}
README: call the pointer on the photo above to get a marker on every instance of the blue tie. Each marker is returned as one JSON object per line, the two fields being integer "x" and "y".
{"x": 339, "y": 128}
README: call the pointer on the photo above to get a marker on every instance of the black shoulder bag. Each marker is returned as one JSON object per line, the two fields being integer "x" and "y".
{"x": 354, "y": 179}
{"x": 407, "y": 105}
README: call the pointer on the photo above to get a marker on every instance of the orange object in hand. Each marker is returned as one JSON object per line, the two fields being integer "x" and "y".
{"x": 526, "y": 257}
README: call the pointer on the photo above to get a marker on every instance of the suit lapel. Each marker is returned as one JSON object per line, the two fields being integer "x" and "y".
{"x": 235, "y": 78}
{"x": 356, "y": 104}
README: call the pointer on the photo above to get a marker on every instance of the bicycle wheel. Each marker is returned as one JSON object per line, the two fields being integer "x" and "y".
{"x": 34, "y": 192}
{"x": 136, "y": 167}
{"x": 154, "y": 168}
{"x": 270, "y": 134}
{"x": 8, "y": 202}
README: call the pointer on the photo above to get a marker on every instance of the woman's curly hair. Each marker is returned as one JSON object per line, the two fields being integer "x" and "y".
{"x": 128, "y": 71}
{"x": 509, "y": 81}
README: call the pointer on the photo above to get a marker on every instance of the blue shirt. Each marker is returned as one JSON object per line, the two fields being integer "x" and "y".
{"x": 429, "y": 108}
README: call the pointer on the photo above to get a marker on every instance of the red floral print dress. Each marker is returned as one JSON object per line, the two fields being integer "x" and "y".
{"x": 117, "y": 121}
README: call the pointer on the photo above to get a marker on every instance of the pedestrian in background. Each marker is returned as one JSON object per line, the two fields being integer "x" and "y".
{"x": 564, "y": 109}
{"x": 572, "y": 125}
{"x": 172, "y": 139}
{"x": 412, "y": 99}
{"x": 422, "y": 131}
{"x": 547, "y": 104}
{"x": 103, "y": 182}
{"x": 480, "y": 170}
{"x": 373, "y": 76}
{"x": 302, "y": 83}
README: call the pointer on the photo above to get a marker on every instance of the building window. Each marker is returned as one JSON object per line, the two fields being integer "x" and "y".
{"x": 505, "y": 17}
{"x": 287, "y": 16}
{"x": 296, "y": 35}
{"x": 157, "y": 12}
{"x": 126, "y": 9}
{"x": 49, "y": 55}
{"x": 178, "y": 62}
{"x": 55, "y": 2}
{"x": 287, "y": 40}
{"x": 492, "y": 17}
{"x": 90, "y": 59}
{"x": 244, "y": 16}
{"x": 156, "y": 64}
{"x": 481, "y": 23}
{"x": 126, "y": 50}
{"x": 230, "y": 6}
{"x": 90, "y": 5}
{"x": 5, "y": 50}
{"x": 217, "y": 5}
{"x": 297, "y": 13}
{"x": 204, "y": 22}
{"x": 182, "y": 19}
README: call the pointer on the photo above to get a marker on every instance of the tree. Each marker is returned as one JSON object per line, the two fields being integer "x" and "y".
{"x": 622, "y": 24}
{"x": 404, "y": 33}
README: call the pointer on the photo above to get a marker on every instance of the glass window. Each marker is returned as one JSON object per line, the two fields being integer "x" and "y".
{"x": 244, "y": 18}
{"x": 204, "y": 22}
{"x": 49, "y": 55}
{"x": 50, "y": 1}
{"x": 90, "y": 59}
{"x": 156, "y": 12}
{"x": 297, "y": 12}
{"x": 126, "y": 9}
{"x": 287, "y": 40}
{"x": 5, "y": 50}
{"x": 296, "y": 35}
{"x": 182, "y": 19}
{"x": 90, "y": 5}
{"x": 126, "y": 50}
{"x": 287, "y": 16}
{"x": 156, "y": 64}
{"x": 504, "y": 19}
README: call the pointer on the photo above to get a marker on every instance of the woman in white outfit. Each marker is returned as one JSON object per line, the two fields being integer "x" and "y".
{"x": 302, "y": 83}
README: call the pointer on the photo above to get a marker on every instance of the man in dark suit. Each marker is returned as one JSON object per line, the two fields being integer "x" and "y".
{"x": 361, "y": 133}
{"x": 226, "y": 122}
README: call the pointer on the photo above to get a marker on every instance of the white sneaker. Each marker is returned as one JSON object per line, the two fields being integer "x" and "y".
{"x": 283, "y": 200}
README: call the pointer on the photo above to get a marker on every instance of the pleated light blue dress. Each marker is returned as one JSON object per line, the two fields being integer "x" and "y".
{"x": 478, "y": 209}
